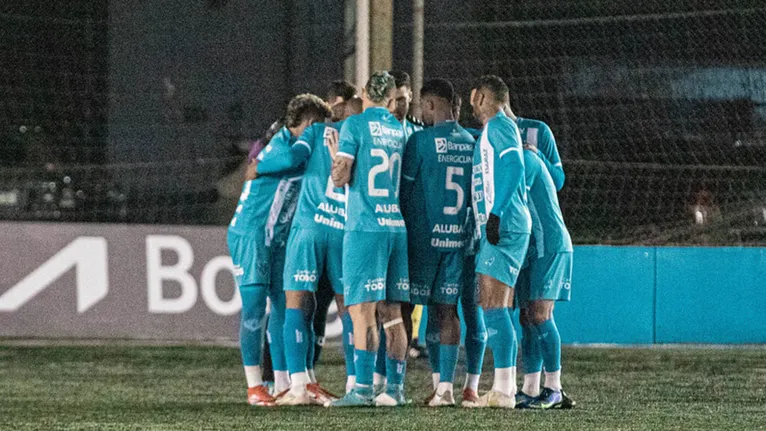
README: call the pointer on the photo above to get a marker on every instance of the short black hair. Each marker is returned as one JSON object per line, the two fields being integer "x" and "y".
{"x": 401, "y": 78}
{"x": 305, "y": 106}
{"x": 379, "y": 85}
{"x": 343, "y": 89}
{"x": 495, "y": 85}
{"x": 438, "y": 87}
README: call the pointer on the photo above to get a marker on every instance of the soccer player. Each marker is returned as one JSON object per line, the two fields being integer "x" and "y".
{"x": 546, "y": 279}
{"x": 403, "y": 99}
{"x": 314, "y": 249}
{"x": 375, "y": 275}
{"x": 537, "y": 134}
{"x": 435, "y": 193}
{"x": 256, "y": 238}
{"x": 338, "y": 94}
{"x": 473, "y": 315}
{"x": 504, "y": 225}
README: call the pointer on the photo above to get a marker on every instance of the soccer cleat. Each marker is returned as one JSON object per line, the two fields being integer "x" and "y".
{"x": 495, "y": 399}
{"x": 416, "y": 351}
{"x": 393, "y": 396}
{"x": 445, "y": 399}
{"x": 548, "y": 399}
{"x": 259, "y": 396}
{"x": 355, "y": 398}
{"x": 523, "y": 400}
{"x": 428, "y": 399}
{"x": 295, "y": 398}
{"x": 470, "y": 399}
{"x": 567, "y": 403}
{"x": 319, "y": 394}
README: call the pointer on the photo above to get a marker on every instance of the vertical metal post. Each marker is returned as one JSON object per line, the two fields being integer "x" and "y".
{"x": 418, "y": 12}
{"x": 362, "y": 64}
{"x": 381, "y": 34}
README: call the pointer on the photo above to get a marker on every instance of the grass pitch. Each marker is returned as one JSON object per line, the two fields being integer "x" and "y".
{"x": 180, "y": 388}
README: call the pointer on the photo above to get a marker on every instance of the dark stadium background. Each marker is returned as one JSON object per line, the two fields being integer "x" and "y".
{"x": 136, "y": 111}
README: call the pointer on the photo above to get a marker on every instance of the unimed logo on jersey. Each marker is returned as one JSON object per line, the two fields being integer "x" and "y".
{"x": 441, "y": 145}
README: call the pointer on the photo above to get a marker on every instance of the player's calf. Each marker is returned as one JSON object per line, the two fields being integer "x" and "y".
{"x": 396, "y": 353}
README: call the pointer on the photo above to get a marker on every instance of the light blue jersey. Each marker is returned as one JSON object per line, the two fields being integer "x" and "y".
{"x": 548, "y": 229}
{"x": 375, "y": 140}
{"x": 437, "y": 167}
{"x": 267, "y": 204}
{"x": 498, "y": 178}
{"x": 537, "y": 133}
{"x": 321, "y": 204}
{"x": 410, "y": 128}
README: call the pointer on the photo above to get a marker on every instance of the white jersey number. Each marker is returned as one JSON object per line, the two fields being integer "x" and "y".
{"x": 454, "y": 171}
{"x": 386, "y": 165}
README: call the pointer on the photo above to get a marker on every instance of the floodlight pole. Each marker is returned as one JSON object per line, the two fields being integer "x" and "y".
{"x": 418, "y": 13}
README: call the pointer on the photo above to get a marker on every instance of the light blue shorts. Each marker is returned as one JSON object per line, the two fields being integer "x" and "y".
{"x": 504, "y": 260}
{"x": 311, "y": 252}
{"x": 375, "y": 267}
{"x": 436, "y": 277}
{"x": 251, "y": 258}
{"x": 547, "y": 278}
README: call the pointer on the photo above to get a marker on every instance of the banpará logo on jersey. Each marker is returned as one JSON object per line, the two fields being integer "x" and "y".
{"x": 305, "y": 276}
{"x": 441, "y": 145}
{"x": 377, "y": 129}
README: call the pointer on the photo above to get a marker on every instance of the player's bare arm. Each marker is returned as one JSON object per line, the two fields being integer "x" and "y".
{"x": 341, "y": 171}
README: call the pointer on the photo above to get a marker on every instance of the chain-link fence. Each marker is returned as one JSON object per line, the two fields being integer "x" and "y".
{"x": 659, "y": 108}
{"x": 112, "y": 111}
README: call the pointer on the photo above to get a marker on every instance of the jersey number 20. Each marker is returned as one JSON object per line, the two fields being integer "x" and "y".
{"x": 387, "y": 165}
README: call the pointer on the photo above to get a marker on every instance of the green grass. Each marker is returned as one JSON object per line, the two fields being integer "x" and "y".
{"x": 127, "y": 387}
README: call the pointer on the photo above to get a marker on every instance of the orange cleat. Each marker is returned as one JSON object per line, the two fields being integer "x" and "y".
{"x": 322, "y": 395}
{"x": 470, "y": 399}
{"x": 259, "y": 396}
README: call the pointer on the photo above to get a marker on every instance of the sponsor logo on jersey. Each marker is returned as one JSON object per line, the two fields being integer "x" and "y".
{"x": 446, "y": 243}
{"x": 449, "y": 289}
{"x": 390, "y": 223}
{"x": 403, "y": 284}
{"x": 335, "y": 224}
{"x": 441, "y": 145}
{"x": 377, "y": 129}
{"x": 451, "y": 158}
{"x": 447, "y": 228}
{"x": 419, "y": 289}
{"x": 387, "y": 208}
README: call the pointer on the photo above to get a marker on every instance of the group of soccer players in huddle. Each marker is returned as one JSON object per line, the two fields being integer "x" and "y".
{"x": 394, "y": 214}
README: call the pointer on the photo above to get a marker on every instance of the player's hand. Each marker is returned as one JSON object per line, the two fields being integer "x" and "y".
{"x": 251, "y": 172}
{"x": 341, "y": 171}
{"x": 332, "y": 143}
{"x": 493, "y": 229}
{"x": 528, "y": 146}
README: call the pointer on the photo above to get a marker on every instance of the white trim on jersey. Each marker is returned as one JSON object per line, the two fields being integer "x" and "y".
{"x": 487, "y": 156}
{"x": 278, "y": 203}
{"x": 304, "y": 143}
{"x": 408, "y": 178}
{"x": 508, "y": 150}
{"x": 345, "y": 155}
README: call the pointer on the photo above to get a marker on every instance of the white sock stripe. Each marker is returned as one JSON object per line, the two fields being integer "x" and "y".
{"x": 394, "y": 322}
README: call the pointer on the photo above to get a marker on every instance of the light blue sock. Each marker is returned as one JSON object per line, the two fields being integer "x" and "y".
{"x": 550, "y": 345}
{"x": 364, "y": 362}
{"x": 380, "y": 364}
{"x": 433, "y": 338}
{"x": 251, "y": 323}
{"x": 447, "y": 362}
{"x": 475, "y": 335}
{"x": 312, "y": 343}
{"x": 297, "y": 340}
{"x": 276, "y": 332}
{"x": 348, "y": 343}
{"x": 501, "y": 337}
{"x": 395, "y": 370}
{"x": 531, "y": 356}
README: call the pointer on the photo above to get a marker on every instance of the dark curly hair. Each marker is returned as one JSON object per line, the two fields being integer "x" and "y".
{"x": 306, "y": 106}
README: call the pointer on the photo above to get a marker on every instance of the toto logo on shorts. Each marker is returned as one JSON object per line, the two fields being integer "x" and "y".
{"x": 375, "y": 285}
{"x": 305, "y": 276}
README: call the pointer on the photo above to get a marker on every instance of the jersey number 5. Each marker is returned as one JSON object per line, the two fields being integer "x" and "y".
{"x": 454, "y": 171}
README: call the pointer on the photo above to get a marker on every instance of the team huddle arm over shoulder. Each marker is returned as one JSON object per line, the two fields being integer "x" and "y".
{"x": 509, "y": 173}
{"x": 281, "y": 160}
{"x": 550, "y": 155}
{"x": 348, "y": 146}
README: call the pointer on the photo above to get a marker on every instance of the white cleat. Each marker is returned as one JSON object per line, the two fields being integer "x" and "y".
{"x": 295, "y": 397}
{"x": 445, "y": 399}
{"x": 494, "y": 399}
{"x": 471, "y": 399}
